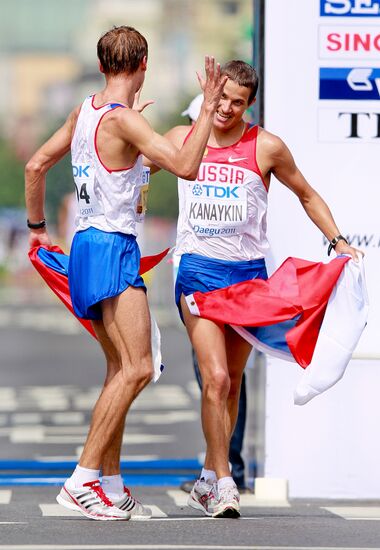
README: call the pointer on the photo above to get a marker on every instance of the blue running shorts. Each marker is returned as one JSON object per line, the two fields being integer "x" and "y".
{"x": 101, "y": 265}
{"x": 201, "y": 273}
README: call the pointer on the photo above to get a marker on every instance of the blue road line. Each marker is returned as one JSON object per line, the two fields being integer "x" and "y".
{"x": 158, "y": 464}
{"x": 134, "y": 480}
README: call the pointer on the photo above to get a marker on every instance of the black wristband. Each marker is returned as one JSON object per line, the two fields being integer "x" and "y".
{"x": 38, "y": 225}
{"x": 334, "y": 242}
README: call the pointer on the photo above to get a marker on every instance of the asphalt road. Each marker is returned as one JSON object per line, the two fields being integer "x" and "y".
{"x": 50, "y": 375}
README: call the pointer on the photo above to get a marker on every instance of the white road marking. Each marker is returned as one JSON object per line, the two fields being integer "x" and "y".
{"x": 5, "y": 496}
{"x": 60, "y": 435}
{"x": 194, "y": 390}
{"x": 68, "y": 418}
{"x": 179, "y": 497}
{"x": 13, "y": 523}
{"x": 165, "y": 547}
{"x": 355, "y": 512}
{"x": 246, "y": 500}
{"x": 172, "y": 417}
{"x": 56, "y": 510}
{"x": 26, "y": 418}
{"x": 156, "y": 511}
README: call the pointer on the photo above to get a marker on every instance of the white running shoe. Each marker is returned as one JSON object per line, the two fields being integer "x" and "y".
{"x": 91, "y": 501}
{"x": 228, "y": 504}
{"x": 203, "y": 497}
{"x": 128, "y": 503}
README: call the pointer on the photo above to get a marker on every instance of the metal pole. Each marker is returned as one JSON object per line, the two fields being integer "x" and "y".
{"x": 259, "y": 56}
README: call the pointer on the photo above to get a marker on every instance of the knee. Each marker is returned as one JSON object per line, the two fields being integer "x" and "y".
{"x": 139, "y": 374}
{"x": 217, "y": 386}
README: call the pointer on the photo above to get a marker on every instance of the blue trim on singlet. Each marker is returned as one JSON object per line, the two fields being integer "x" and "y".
{"x": 114, "y": 105}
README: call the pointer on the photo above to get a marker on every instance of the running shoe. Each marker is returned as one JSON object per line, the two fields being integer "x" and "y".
{"x": 228, "y": 504}
{"x": 203, "y": 497}
{"x": 129, "y": 504}
{"x": 91, "y": 501}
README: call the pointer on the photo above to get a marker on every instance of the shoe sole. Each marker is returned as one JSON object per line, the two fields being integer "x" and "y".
{"x": 76, "y": 508}
{"x": 229, "y": 512}
{"x": 197, "y": 506}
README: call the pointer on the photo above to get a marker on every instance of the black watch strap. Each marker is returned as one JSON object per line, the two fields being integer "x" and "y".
{"x": 37, "y": 225}
{"x": 334, "y": 242}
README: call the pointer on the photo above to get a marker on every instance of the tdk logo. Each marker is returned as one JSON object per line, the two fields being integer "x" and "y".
{"x": 362, "y": 83}
{"x": 350, "y": 8}
{"x": 221, "y": 192}
{"x": 81, "y": 171}
{"x": 216, "y": 191}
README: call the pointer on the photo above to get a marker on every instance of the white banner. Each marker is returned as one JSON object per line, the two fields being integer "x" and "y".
{"x": 322, "y": 91}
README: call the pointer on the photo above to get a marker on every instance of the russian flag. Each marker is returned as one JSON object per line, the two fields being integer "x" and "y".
{"x": 52, "y": 264}
{"x": 310, "y": 313}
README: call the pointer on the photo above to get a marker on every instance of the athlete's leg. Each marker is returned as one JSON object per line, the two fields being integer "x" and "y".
{"x": 111, "y": 460}
{"x": 126, "y": 320}
{"x": 208, "y": 341}
{"x": 238, "y": 351}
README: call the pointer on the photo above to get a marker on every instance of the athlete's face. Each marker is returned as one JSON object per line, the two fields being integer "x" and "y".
{"x": 232, "y": 106}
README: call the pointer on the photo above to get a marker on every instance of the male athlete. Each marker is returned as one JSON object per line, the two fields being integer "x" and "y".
{"x": 107, "y": 138}
{"x": 221, "y": 237}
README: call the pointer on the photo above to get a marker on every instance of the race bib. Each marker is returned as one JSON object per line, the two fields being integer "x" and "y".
{"x": 216, "y": 210}
{"x": 142, "y": 202}
{"x": 84, "y": 178}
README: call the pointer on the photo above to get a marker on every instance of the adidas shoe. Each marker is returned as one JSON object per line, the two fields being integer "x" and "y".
{"x": 91, "y": 501}
{"x": 228, "y": 503}
{"x": 129, "y": 504}
{"x": 203, "y": 497}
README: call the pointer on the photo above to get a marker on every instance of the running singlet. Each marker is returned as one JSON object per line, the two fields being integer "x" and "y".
{"x": 222, "y": 214}
{"x": 107, "y": 199}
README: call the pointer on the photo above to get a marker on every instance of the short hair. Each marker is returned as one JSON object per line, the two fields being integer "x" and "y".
{"x": 243, "y": 74}
{"x": 121, "y": 50}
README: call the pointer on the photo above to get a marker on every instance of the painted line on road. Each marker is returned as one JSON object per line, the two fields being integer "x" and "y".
{"x": 14, "y": 522}
{"x": 5, "y": 497}
{"x": 364, "y": 513}
{"x": 246, "y": 501}
{"x": 167, "y": 547}
{"x": 56, "y": 510}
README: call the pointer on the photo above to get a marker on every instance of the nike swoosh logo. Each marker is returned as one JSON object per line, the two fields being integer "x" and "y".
{"x": 232, "y": 159}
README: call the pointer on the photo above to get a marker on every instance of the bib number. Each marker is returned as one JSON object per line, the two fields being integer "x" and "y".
{"x": 216, "y": 210}
{"x": 84, "y": 178}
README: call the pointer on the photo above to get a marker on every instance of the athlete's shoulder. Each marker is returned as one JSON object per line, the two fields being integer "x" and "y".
{"x": 268, "y": 142}
{"x": 178, "y": 134}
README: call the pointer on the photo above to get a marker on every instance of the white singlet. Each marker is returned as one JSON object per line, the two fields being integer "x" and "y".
{"x": 107, "y": 199}
{"x": 222, "y": 214}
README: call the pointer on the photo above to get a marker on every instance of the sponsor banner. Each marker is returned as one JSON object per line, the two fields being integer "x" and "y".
{"x": 349, "y": 42}
{"x": 331, "y": 136}
{"x": 358, "y": 83}
{"x": 342, "y": 125}
{"x": 331, "y": 123}
{"x": 349, "y": 8}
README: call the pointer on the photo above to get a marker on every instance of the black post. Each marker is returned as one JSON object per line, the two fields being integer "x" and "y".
{"x": 258, "y": 44}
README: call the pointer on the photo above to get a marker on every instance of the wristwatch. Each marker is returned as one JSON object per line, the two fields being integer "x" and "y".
{"x": 334, "y": 242}
{"x": 38, "y": 225}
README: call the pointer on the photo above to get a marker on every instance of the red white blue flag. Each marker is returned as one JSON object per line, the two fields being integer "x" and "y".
{"x": 288, "y": 315}
{"x": 52, "y": 264}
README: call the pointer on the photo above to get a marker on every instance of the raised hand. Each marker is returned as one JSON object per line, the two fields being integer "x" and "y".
{"x": 213, "y": 84}
{"x": 137, "y": 106}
